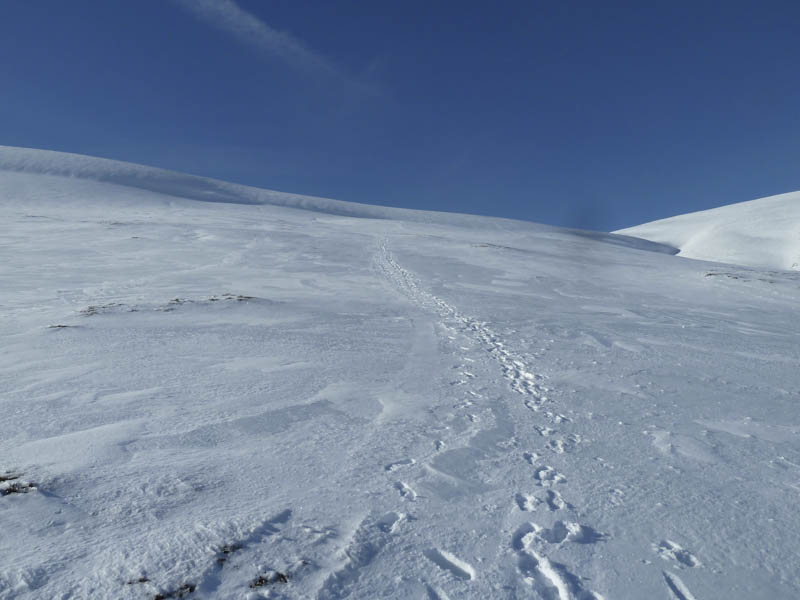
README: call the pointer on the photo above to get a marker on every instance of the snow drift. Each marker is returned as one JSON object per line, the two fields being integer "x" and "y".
{"x": 759, "y": 233}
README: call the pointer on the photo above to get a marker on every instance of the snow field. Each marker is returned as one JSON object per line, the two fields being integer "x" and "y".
{"x": 236, "y": 399}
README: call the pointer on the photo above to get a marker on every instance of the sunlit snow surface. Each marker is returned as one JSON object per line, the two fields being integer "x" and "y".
{"x": 230, "y": 400}
{"x": 763, "y": 233}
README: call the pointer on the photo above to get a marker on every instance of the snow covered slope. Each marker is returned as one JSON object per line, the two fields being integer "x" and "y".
{"x": 759, "y": 233}
{"x": 237, "y": 398}
{"x": 181, "y": 185}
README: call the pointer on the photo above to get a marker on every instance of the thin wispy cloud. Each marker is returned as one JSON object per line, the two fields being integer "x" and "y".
{"x": 248, "y": 29}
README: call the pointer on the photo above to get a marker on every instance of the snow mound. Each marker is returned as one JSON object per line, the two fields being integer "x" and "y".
{"x": 759, "y": 233}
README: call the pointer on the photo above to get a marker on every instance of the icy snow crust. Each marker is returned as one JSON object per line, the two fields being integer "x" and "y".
{"x": 239, "y": 399}
{"x": 762, "y": 233}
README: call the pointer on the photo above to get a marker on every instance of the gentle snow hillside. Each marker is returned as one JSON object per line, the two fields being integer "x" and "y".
{"x": 210, "y": 391}
{"x": 759, "y": 233}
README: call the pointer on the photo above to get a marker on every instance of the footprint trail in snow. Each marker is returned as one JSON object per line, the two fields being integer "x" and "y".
{"x": 550, "y": 579}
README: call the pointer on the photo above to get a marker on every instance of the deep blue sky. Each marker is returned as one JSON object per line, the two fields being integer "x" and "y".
{"x": 590, "y": 114}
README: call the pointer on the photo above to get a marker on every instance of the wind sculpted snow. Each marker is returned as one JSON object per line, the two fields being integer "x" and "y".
{"x": 246, "y": 400}
{"x": 762, "y": 233}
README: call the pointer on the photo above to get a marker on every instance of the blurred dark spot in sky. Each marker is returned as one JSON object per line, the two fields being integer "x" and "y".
{"x": 586, "y": 212}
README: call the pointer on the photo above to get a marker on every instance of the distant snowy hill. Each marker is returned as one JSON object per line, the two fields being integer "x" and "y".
{"x": 173, "y": 184}
{"x": 759, "y": 233}
{"x": 210, "y": 391}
